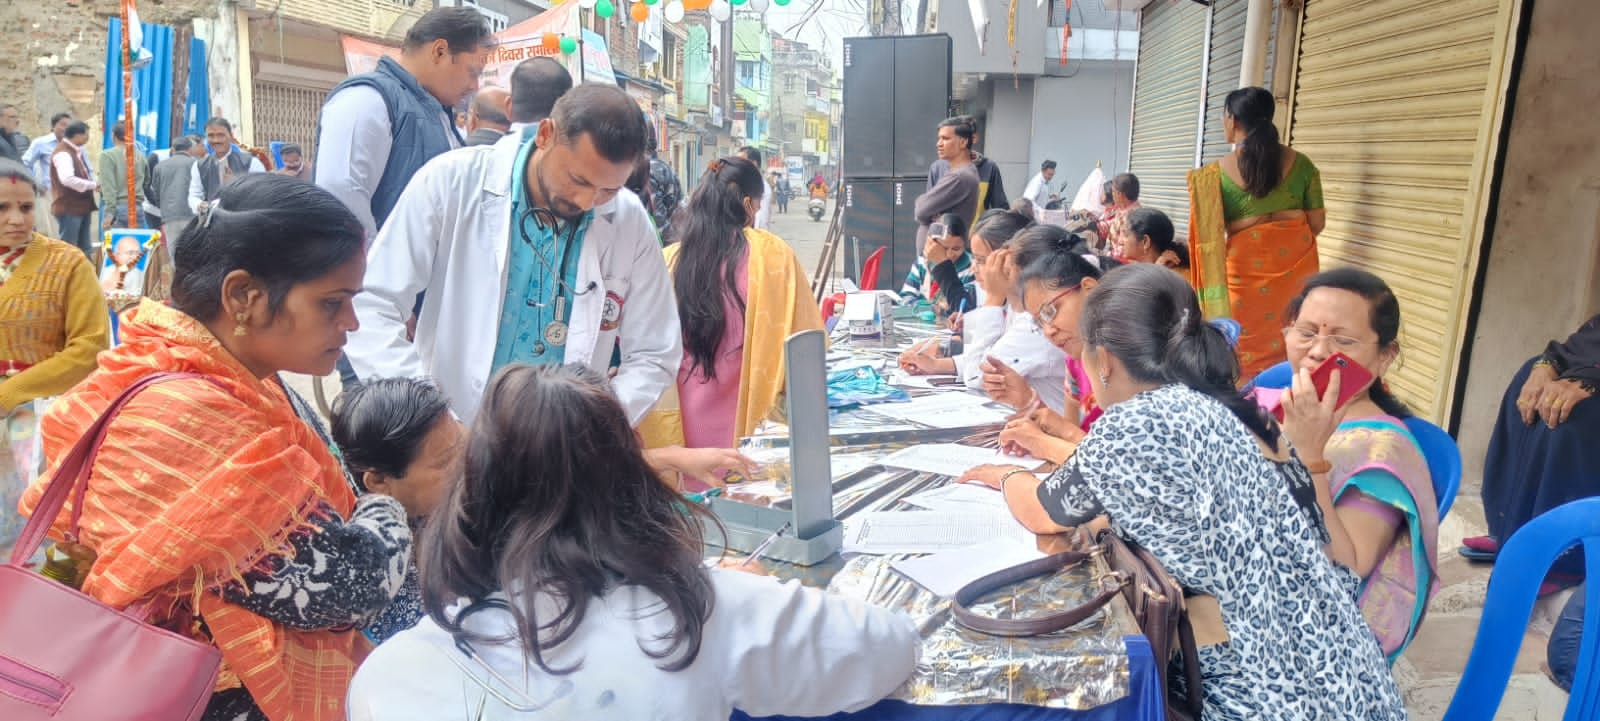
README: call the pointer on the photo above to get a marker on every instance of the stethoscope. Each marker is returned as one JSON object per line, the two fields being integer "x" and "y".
{"x": 545, "y": 218}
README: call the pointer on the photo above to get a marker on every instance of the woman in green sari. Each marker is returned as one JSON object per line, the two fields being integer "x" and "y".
{"x": 1254, "y": 217}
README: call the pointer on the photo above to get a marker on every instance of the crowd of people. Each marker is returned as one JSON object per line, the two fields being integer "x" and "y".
{"x": 544, "y": 347}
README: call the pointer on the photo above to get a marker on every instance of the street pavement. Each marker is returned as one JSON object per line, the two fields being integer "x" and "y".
{"x": 1431, "y": 667}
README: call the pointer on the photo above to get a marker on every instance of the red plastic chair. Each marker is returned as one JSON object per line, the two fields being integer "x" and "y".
{"x": 869, "y": 281}
{"x": 869, "y": 269}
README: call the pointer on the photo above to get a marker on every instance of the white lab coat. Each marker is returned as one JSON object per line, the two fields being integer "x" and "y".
{"x": 1015, "y": 340}
{"x": 449, "y": 235}
{"x": 767, "y": 649}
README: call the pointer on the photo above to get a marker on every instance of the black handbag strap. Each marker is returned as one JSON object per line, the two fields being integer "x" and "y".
{"x": 1033, "y": 625}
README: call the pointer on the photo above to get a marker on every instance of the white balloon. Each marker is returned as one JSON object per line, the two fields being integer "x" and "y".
{"x": 760, "y": 6}
{"x": 674, "y": 12}
{"x": 587, "y": 4}
{"x": 720, "y": 10}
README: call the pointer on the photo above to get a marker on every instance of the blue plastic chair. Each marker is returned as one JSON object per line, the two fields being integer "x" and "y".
{"x": 1278, "y": 376}
{"x": 1444, "y": 460}
{"x": 1513, "y": 587}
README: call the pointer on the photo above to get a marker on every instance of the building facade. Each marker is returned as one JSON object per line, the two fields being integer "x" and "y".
{"x": 1050, "y": 81}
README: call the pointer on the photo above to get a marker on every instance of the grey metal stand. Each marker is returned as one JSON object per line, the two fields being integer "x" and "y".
{"x": 817, "y": 535}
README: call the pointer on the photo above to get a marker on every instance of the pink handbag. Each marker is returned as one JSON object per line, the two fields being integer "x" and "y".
{"x": 65, "y": 656}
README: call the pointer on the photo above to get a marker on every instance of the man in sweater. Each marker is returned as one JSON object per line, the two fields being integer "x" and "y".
{"x": 957, "y": 188}
{"x": 991, "y": 191}
{"x": 72, "y": 188}
{"x": 113, "y": 170}
{"x": 171, "y": 182}
{"x": 225, "y": 162}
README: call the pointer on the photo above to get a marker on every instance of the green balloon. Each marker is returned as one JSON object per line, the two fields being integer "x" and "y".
{"x": 569, "y": 45}
{"x": 651, "y": 2}
{"x": 780, "y": 3}
{"x": 605, "y": 9}
{"x": 737, "y": 3}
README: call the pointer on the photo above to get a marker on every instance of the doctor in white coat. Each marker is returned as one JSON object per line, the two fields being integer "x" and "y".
{"x": 452, "y": 235}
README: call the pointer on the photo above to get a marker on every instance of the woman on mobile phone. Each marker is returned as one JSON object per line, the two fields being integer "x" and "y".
{"x": 1372, "y": 480}
{"x": 943, "y": 275}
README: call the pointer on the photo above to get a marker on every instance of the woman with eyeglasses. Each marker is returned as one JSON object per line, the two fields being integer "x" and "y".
{"x": 1198, "y": 475}
{"x": 998, "y": 327}
{"x": 1373, "y": 484}
{"x": 1057, "y": 272}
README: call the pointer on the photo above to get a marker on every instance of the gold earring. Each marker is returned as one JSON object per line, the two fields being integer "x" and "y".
{"x": 240, "y": 330}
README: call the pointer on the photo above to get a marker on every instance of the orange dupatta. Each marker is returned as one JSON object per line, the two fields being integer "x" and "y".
{"x": 193, "y": 486}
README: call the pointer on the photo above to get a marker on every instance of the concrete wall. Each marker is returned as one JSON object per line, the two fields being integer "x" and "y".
{"x": 1074, "y": 121}
{"x": 1543, "y": 272}
{"x": 55, "y": 54}
{"x": 1079, "y": 121}
{"x": 1008, "y": 131}
{"x": 955, "y": 18}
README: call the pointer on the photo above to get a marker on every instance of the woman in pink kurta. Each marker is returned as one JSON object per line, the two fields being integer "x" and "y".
{"x": 741, "y": 293}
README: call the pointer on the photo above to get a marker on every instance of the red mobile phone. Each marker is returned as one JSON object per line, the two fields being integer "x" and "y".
{"x": 1353, "y": 377}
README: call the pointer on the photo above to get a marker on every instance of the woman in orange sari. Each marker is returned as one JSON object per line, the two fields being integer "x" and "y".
{"x": 210, "y": 501}
{"x": 1254, "y": 217}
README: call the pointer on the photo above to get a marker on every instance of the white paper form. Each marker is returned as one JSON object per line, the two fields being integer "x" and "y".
{"x": 951, "y": 459}
{"x": 882, "y": 532}
{"x": 959, "y": 497}
{"x": 944, "y": 573}
{"x": 944, "y": 410}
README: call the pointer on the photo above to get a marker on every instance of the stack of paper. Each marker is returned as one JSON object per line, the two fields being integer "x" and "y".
{"x": 950, "y": 459}
{"x": 945, "y": 410}
{"x": 959, "y": 497}
{"x": 883, "y": 532}
{"x": 946, "y": 572}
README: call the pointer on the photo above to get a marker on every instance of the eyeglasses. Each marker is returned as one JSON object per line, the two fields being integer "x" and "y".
{"x": 1302, "y": 338}
{"x": 1047, "y": 312}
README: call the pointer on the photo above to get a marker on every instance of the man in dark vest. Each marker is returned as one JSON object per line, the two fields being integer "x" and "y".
{"x": 225, "y": 162}
{"x": 377, "y": 129}
{"x": 72, "y": 188}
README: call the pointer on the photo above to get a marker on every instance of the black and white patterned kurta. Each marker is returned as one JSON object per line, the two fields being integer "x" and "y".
{"x": 1180, "y": 475}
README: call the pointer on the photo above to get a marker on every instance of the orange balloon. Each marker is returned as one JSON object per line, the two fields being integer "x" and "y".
{"x": 696, "y": 4}
{"x": 551, "y": 42}
{"x": 640, "y": 12}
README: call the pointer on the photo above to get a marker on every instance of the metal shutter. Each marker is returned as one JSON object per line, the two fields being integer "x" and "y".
{"x": 287, "y": 113}
{"x": 1222, "y": 72}
{"x": 1399, "y": 103}
{"x": 1166, "y": 105}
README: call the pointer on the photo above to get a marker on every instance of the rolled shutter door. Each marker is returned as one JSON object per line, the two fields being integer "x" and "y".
{"x": 1398, "y": 102}
{"x": 1222, "y": 72}
{"x": 1166, "y": 105}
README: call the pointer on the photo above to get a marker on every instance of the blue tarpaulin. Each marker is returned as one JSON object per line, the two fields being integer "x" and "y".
{"x": 197, "y": 106}
{"x": 152, "y": 86}
{"x": 153, "y": 89}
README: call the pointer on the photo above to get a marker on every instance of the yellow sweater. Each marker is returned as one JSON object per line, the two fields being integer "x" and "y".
{"x": 53, "y": 318}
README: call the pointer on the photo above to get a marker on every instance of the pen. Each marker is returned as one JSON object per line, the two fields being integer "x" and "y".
{"x": 761, "y": 549}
